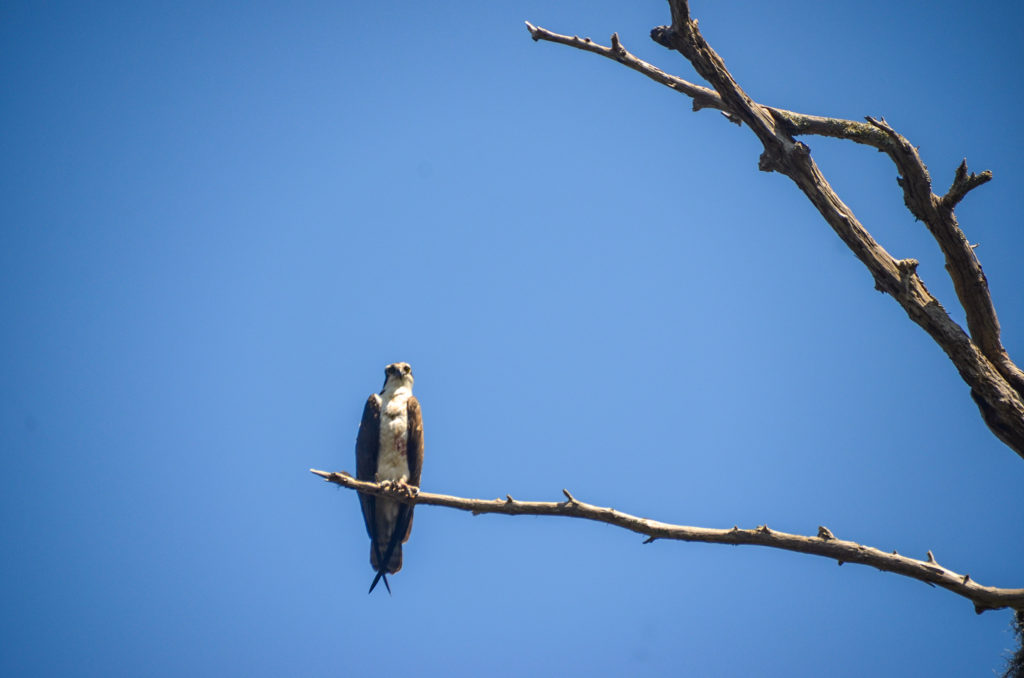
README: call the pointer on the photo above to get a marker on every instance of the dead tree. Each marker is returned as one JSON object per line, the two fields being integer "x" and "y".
{"x": 996, "y": 383}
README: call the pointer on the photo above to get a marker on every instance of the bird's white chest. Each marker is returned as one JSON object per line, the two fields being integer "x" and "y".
{"x": 392, "y": 457}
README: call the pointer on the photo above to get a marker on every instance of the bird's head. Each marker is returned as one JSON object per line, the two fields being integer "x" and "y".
{"x": 397, "y": 375}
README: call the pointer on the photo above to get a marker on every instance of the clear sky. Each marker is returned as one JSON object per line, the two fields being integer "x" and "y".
{"x": 220, "y": 220}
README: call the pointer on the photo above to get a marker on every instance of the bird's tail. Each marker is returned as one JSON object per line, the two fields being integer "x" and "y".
{"x": 374, "y": 558}
{"x": 394, "y": 564}
{"x": 386, "y": 556}
{"x": 377, "y": 552}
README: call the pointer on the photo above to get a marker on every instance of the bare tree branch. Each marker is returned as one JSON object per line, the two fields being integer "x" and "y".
{"x": 824, "y": 544}
{"x": 702, "y": 96}
{"x": 997, "y": 384}
{"x": 962, "y": 183}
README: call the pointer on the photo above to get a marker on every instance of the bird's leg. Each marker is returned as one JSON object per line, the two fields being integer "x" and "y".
{"x": 407, "y": 489}
{"x": 400, "y": 486}
{"x": 403, "y": 487}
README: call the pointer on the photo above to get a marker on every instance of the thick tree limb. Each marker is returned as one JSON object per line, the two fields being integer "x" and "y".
{"x": 997, "y": 384}
{"x": 824, "y": 544}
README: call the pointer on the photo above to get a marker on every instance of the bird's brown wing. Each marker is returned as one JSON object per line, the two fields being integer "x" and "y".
{"x": 414, "y": 447}
{"x": 414, "y": 452}
{"x": 367, "y": 447}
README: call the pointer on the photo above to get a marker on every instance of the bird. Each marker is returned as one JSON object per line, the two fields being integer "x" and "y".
{"x": 389, "y": 450}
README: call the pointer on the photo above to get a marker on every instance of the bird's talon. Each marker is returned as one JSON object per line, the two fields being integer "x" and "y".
{"x": 407, "y": 489}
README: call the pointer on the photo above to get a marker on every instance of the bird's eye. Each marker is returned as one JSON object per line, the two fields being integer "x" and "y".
{"x": 407, "y": 369}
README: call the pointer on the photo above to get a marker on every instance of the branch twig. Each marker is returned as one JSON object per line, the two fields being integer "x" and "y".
{"x": 824, "y": 544}
{"x": 702, "y": 96}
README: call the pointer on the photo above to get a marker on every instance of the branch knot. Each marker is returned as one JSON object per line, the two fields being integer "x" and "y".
{"x": 664, "y": 36}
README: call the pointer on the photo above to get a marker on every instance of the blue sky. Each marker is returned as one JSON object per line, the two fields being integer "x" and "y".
{"x": 221, "y": 220}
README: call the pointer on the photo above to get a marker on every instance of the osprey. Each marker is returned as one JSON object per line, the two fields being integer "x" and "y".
{"x": 389, "y": 449}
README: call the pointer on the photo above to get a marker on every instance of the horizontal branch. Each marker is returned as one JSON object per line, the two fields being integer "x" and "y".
{"x": 824, "y": 544}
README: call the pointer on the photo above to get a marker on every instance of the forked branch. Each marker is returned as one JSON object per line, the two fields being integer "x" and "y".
{"x": 824, "y": 544}
{"x": 997, "y": 384}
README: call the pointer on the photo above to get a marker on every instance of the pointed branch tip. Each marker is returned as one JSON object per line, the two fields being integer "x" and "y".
{"x": 964, "y": 183}
{"x": 617, "y": 47}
